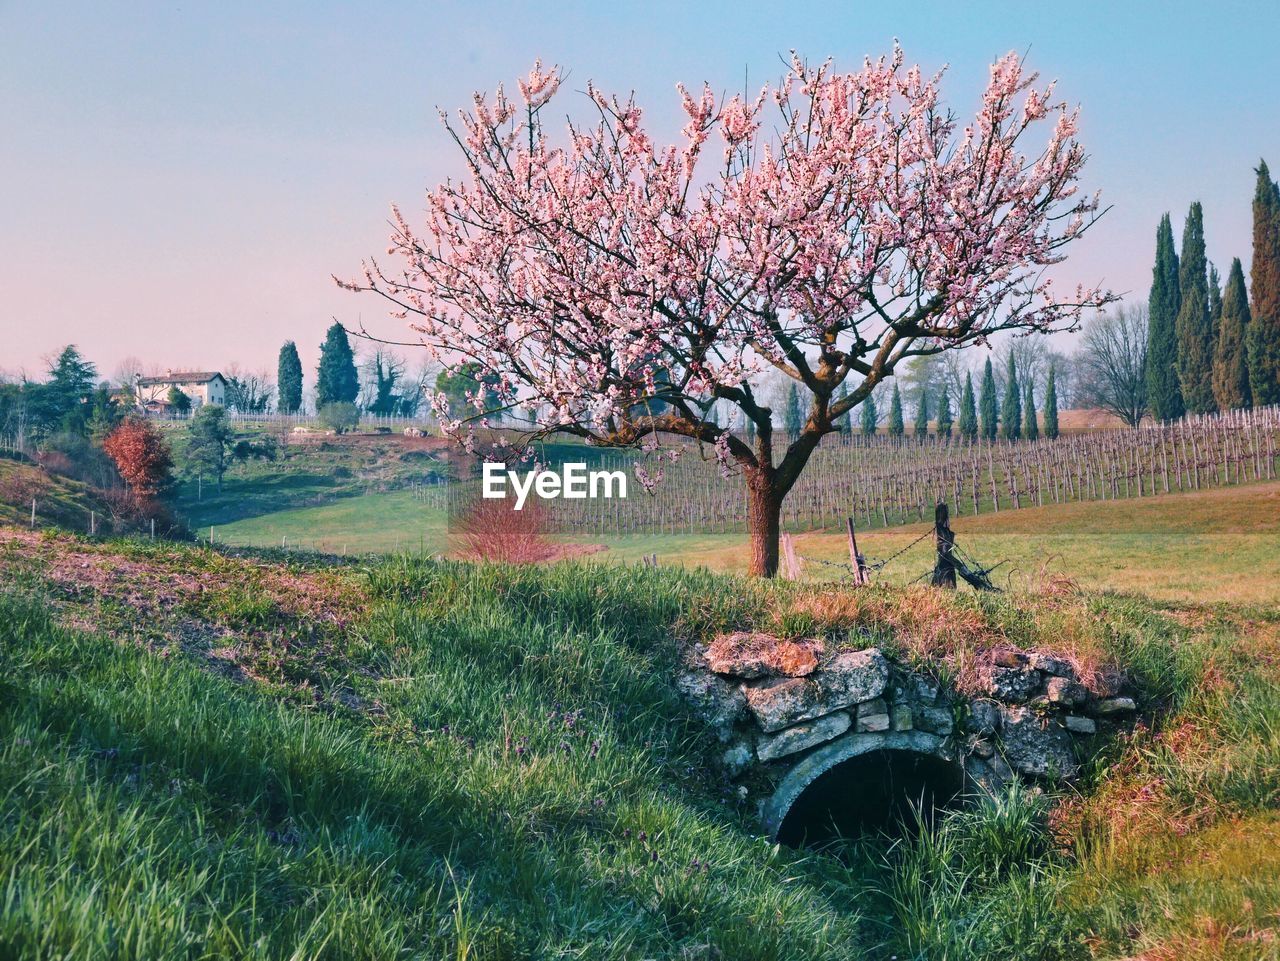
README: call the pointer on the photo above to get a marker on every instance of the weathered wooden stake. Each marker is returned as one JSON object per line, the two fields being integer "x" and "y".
{"x": 860, "y": 573}
{"x": 33, "y": 513}
{"x": 944, "y": 570}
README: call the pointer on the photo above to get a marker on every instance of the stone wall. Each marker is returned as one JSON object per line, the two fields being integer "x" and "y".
{"x": 786, "y": 711}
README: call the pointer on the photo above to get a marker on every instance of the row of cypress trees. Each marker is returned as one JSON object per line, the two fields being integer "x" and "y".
{"x": 1208, "y": 347}
{"x": 980, "y": 417}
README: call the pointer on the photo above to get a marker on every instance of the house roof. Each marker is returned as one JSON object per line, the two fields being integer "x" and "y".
{"x": 182, "y": 377}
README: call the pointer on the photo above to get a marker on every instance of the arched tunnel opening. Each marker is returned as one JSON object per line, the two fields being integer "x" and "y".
{"x": 885, "y": 791}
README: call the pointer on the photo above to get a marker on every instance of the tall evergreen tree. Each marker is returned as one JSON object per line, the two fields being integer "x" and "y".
{"x": 1164, "y": 393}
{"x": 793, "y": 415}
{"x": 944, "y": 413}
{"x": 1011, "y": 410}
{"x": 289, "y": 379}
{"x": 1230, "y": 359}
{"x": 336, "y": 379}
{"x": 1051, "y": 405}
{"x": 1264, "y": 275}
{"x": 968, "y": 410}
{"x": 896, "y": 427}
{"x": 1194, "y": 326}
{"x": 922, "y": 416}
{"x": 869, "y": 416}
{"x": 845, "y": 421}
{"x": 1030, "y": 423}
{"x": 987, "y": 408}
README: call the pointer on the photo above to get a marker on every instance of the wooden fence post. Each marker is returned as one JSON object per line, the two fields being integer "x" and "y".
{"x": 944, "y": 570}
{"x": 860, "y": 574}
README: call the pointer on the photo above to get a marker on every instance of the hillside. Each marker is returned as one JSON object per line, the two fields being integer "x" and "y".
{"x": 58, "y": 500}
{"x": 218, "y": 754}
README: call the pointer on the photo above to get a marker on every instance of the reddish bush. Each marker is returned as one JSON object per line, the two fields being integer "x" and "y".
{"x": 493, "y": 530}
{"x": 141, "y": 456}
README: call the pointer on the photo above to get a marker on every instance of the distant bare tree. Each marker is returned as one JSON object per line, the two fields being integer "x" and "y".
{"x": 127, "y": 371}
{"x": 1112, "y": 363}
{"x": 249, "y": 391}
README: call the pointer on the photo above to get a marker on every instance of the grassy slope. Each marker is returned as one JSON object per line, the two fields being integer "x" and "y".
{"x": 429, "y": 760}
{"x": 59, "y": 500}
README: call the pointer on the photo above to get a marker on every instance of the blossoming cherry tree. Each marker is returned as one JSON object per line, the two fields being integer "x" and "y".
{"x": 615, "y": 288}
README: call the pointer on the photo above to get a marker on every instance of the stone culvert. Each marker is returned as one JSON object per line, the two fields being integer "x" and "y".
{"x": 829, "y": 739}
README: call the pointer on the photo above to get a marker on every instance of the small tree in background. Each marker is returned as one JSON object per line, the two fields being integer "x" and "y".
{"x": 1030, "y": 422}
{"x": 944, "y": 413}
{"x": 896, "y": 427}
{"x": 988, "y": 410}
{"x": 922, "y": 416}
{"x": 179, "y": 402}
{"x": 208, "y": 442}
{"x": 469, "y": 390}
{"x": 1230, "y": 356}
{"x": 1051, "y": 404}
{"x": 869, "y": 417}
{"x": 141, "y": 457}
{"x": 968, "y": 410}
{"x": 1011, "y": 409}
{"x": 337, "y": 381}
{"x": 289, "y": 379}
{"x": 1164, "y": 393}
{"x": 339, "y": 418}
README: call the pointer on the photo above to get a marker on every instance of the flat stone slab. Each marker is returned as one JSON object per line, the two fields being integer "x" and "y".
{"x": 845, "y": 680}
{"x": 1036, "y": 746}
{"x": 751, "y": 655}
{"x": 801, "y": 737}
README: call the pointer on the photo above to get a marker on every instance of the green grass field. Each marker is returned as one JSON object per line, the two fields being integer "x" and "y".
{"x": 210, "y": 755}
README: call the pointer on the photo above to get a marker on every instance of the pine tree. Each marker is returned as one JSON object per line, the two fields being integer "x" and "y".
{"x": 922, "y": 416}
{"x": 990, "y": 413}
{"x": 944, "y": 413}
{"x": 1051, "y": 405}
{"x": 869, "y": 416}
{"x": 336, "y": 379}
{"x": 896, "y": 427}
{"x": 289, "y": 379}
{"x": 793, "y": 416}
{"x": 1030, "y": 425}
{"x": 1230, "y": 360}
{"x": 1194, "y": 326}
{"x": 1264, "y": 325}
{"x": 1163, "y": 390}
{"x": 1011, "y": 422}
{"x": 968, "y": 411}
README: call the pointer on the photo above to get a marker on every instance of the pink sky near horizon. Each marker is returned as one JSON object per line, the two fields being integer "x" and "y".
{"x": 181, "y": 183}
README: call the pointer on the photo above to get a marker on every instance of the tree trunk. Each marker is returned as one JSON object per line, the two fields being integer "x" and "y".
{"x": 764, "y": 512}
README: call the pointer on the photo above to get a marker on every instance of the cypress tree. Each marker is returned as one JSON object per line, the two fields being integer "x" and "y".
{"x": 944, "y": 413}
{"x": 1011, "y": 422}
{"x": 968, "y": 410}
{"x": 1051, "y": 405}
{"x": 1230, "y": 360}
{"x": 336, "y": 379}
{"x": 1194, "y": 326}
{"x": 1264, "y": 275}
{"x": 896, "y": 427}
{"x": 922, "y": 415}
{"x": 869, "y": 416}
{"x": 989, "y": 412}
{"x": 793, "y": 417}
{"x": 1030, "y": 426}
{"x": 845, "y": 420}
{"x": 289, "y": 379}
{"x": 1163, "y": 389}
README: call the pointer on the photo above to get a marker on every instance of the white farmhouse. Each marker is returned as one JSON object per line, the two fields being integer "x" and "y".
{"x": 202, "y": 386}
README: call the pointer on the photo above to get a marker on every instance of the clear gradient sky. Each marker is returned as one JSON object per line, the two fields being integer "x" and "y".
{"x": 180, "y": 180}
